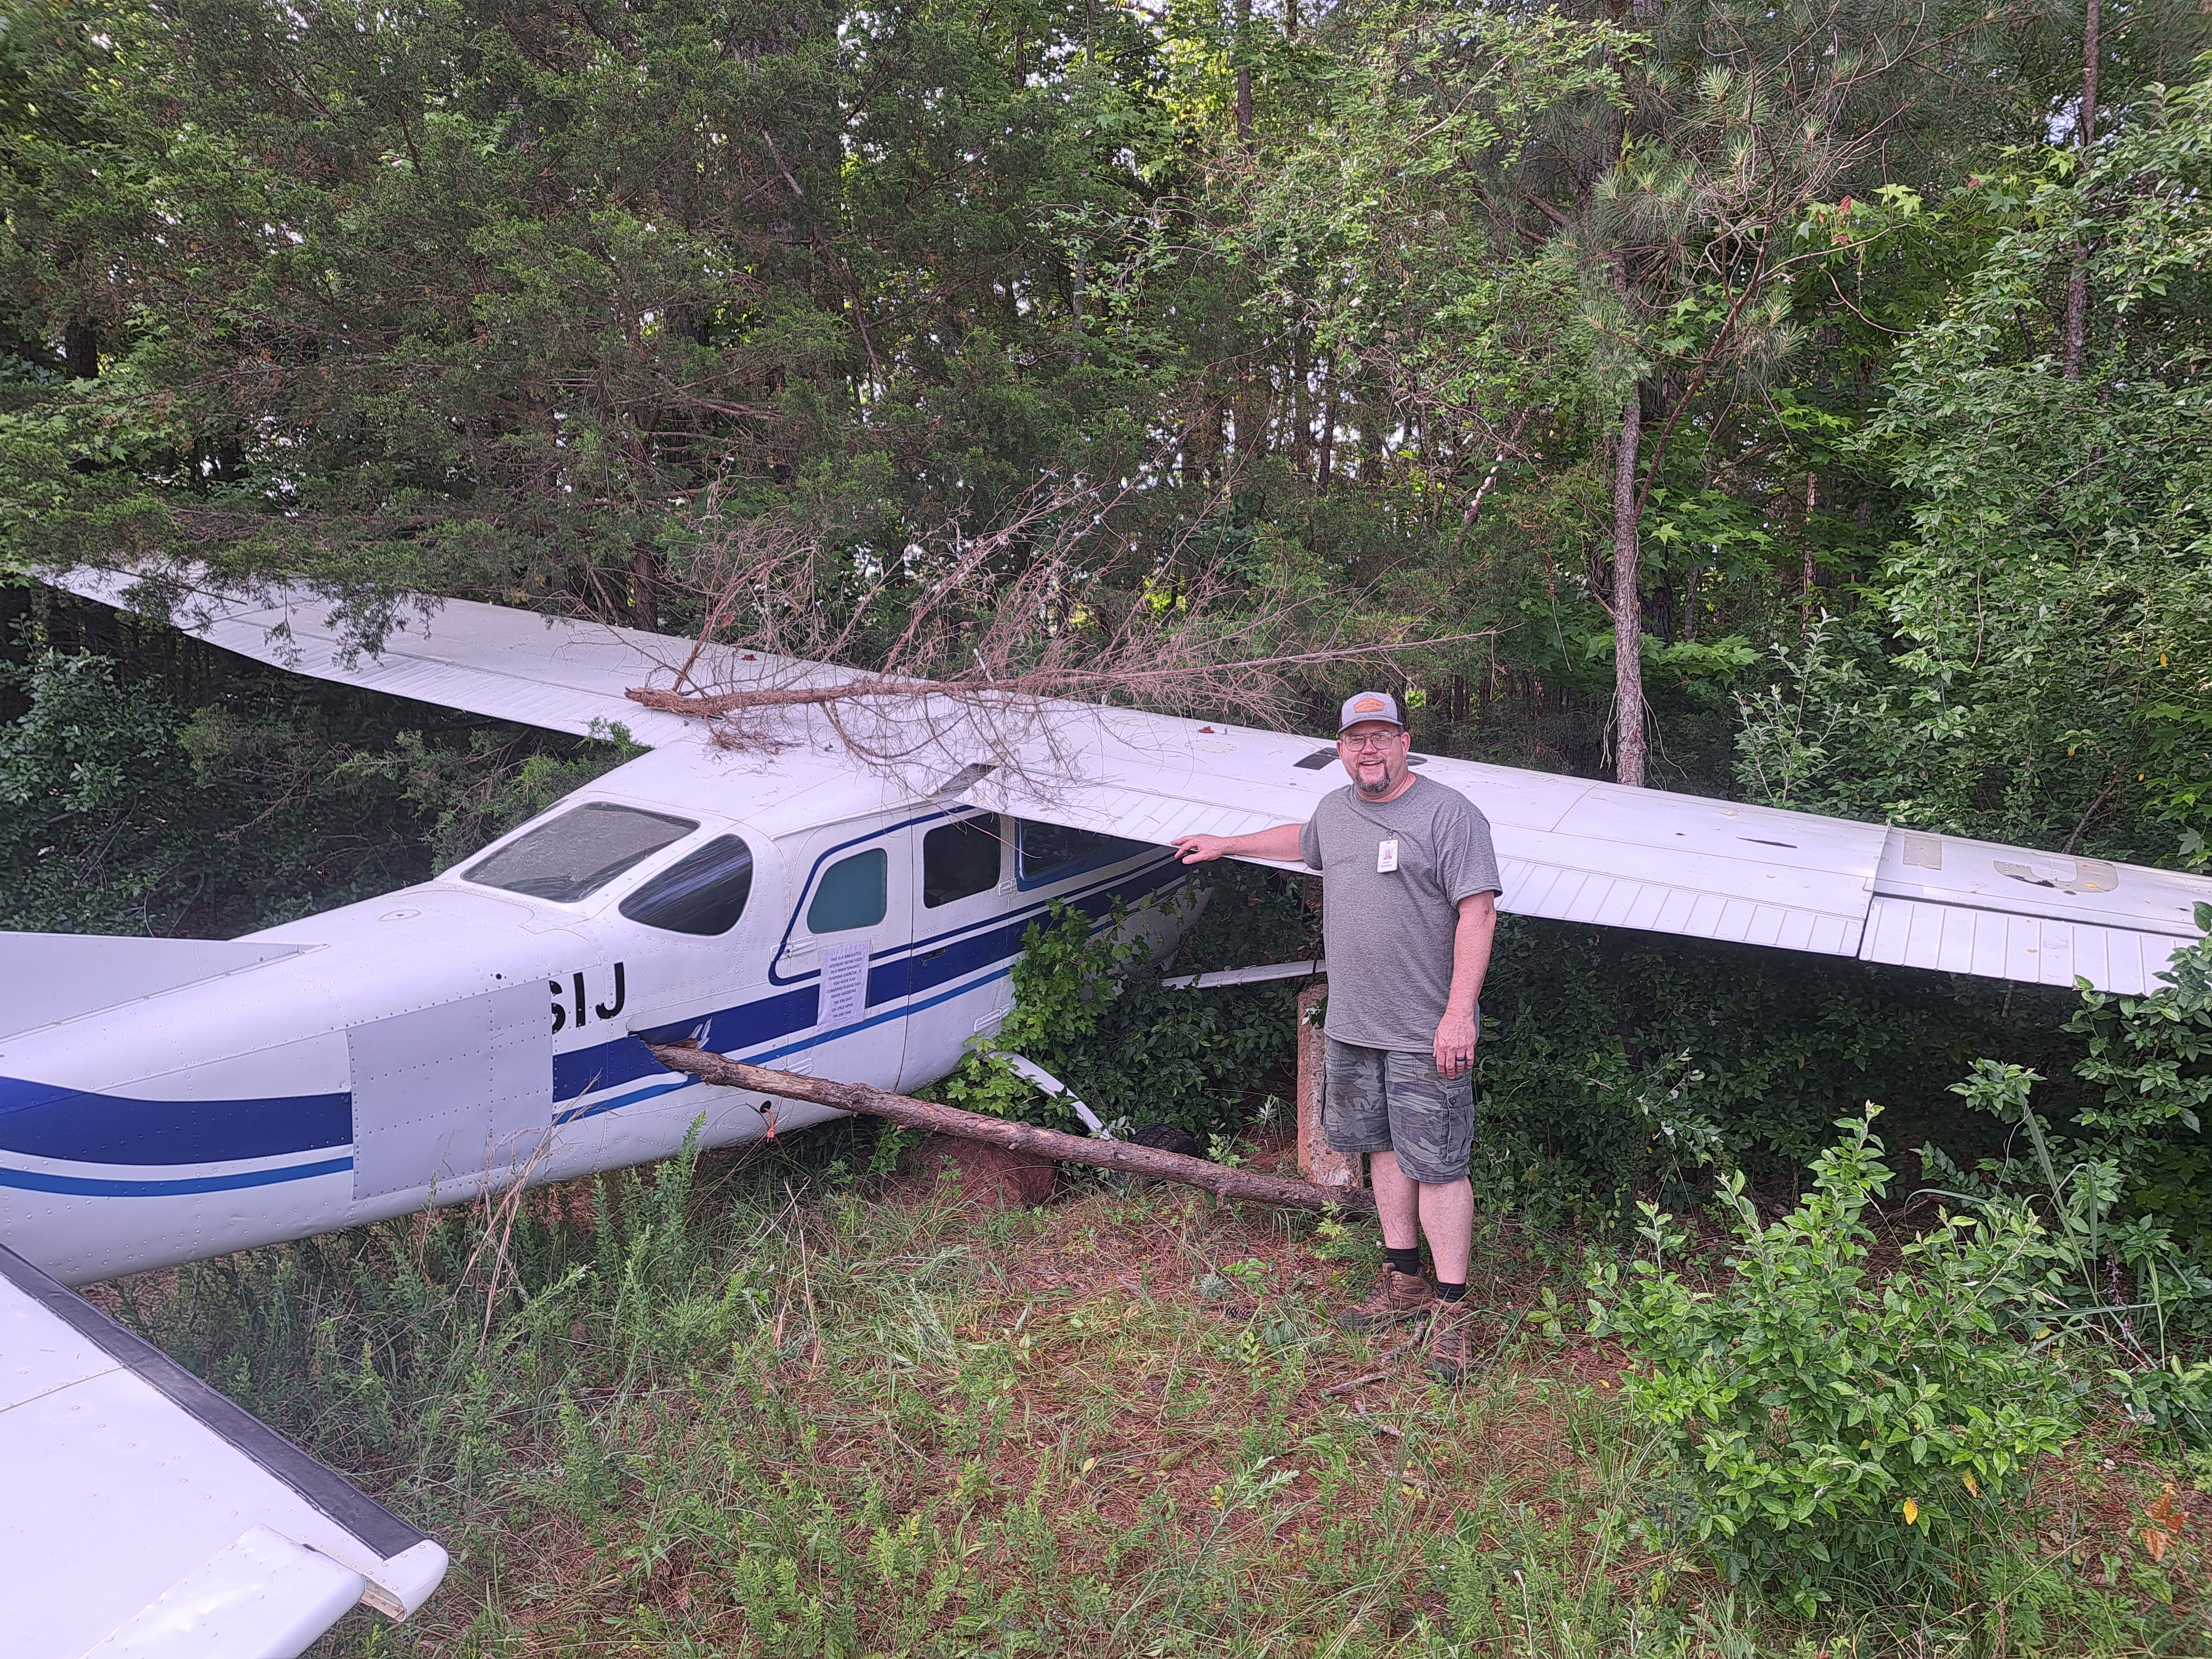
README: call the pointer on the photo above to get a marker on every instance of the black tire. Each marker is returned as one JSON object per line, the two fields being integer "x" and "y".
{"x": 1166, "y": 1138}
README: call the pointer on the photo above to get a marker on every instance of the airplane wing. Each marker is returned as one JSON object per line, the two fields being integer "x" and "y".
{"x": 561, "y": 674}
{"x": 150, "y": 1517}
{"x": 1576, "y": 850}
{"x": 1570, "y": 849}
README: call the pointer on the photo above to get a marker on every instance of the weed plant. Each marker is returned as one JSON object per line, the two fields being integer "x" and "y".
{"x": 1091, "y": 1010}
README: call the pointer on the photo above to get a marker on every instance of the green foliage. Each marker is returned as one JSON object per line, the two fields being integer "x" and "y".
{"x": 121, "y": 810}
{"x": 2030, "y": 662}
{"x": 1835, "y": 1424}
{"x": 2150, "y": 1058}
{"x": 1090, "y": 1009}
{"x": 2120, "y": 1161}
{"x": 1614, "y": 1063}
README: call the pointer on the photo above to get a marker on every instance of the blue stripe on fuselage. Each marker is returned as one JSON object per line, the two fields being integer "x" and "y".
{"x": 47, "y": 1120}
{"x": 38, "y": 1181}
{"x": 927, "y": 963}
{"x": 50, "y": 1120}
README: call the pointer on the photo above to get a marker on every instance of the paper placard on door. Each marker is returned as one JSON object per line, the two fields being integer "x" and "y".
{"x": 844, "y": 983}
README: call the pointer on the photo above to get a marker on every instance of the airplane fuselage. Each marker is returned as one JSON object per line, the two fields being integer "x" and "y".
{"x": 488, "y": 1026}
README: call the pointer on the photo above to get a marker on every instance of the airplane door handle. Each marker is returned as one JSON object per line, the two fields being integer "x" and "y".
{"x": 931, "y": 956}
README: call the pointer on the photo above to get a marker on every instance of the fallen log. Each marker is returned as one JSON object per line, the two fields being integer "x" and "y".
{"x": 1216, "y": 1178}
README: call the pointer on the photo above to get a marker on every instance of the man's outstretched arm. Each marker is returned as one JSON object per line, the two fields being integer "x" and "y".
{"x": 1279, "y": 843}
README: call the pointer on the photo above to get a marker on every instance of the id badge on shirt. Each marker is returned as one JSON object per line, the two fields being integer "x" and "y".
{"x": 1386, "y": 856}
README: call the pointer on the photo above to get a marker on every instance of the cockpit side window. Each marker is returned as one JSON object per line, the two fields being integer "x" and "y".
{"x": 1047, "y": 849}
{"x": 703, "y": 892}
{"x": 959, "y": 860}
{"x": 573, "y": 856}
{"x": 853, "y": 892}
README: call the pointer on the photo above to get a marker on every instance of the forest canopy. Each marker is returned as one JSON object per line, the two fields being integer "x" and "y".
{"x": 1805, "y": 402}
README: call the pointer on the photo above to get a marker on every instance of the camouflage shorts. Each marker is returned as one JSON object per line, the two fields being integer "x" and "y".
{"x": 1385, "y": 1100}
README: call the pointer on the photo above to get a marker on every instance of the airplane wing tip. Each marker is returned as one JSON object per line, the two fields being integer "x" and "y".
{"x": 130, "y": 1473}
{"x": 407, "y": 1579}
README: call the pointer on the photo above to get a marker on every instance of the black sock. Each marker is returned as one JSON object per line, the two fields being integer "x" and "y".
{"x": 1451, "y": 1293}
{"x": 1407, "y": 1262}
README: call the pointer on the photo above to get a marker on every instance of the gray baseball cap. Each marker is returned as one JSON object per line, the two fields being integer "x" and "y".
{"x": 1369, "y": 706}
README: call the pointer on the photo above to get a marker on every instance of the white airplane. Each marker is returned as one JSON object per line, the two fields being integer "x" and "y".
{"x": 166, "y": 1100}
{"x": 785, "y": 902}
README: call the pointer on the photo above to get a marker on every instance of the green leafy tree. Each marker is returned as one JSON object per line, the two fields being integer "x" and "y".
{"x": 2033, "y": 661}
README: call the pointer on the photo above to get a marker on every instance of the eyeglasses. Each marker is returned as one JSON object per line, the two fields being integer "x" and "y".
{"x": 1356, "y": 744}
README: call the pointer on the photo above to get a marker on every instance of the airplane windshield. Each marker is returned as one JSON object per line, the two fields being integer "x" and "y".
{"x": 577, "y": 854}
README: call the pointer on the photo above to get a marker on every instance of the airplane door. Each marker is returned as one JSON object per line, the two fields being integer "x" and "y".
{"x": 849, "y": 936}
{"x": 964, "y": 931}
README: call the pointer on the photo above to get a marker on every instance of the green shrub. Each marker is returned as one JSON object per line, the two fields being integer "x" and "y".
{"x": 1092, "y": 1012}
{"x": 2151, "y": 1063}
{"x": 1597, "y": 1042}
{"x": 1834, "y": 1424}
{"x": 2084, "y": 1183}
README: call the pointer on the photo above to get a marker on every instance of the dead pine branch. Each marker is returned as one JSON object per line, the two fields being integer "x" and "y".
{"x": 962, "y": 643}
{"x": 1218, "y": 1179}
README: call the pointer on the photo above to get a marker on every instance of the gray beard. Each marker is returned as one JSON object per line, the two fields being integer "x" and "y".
{"x": 1375, "y": 794}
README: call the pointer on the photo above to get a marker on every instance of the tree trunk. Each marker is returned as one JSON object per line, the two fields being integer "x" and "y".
{"x": 644, "y": 590}
{"x": 1328, "y": 429}
{"x": 1811, "y": 505}
{"x": 1627, "y": 612}
{"x": 1372, "y": 435}
{"x": 1244, "y": 74}
{"x": 1216, "y": 1178}
{"x": 1079, "y": 277}
{"x": 81, "y": 348}
{"x": 2085, "y": 133}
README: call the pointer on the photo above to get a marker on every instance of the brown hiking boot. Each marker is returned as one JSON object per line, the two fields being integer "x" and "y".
{"x": 1397, "y": 1300}
{"x": 1451, "y": 1343}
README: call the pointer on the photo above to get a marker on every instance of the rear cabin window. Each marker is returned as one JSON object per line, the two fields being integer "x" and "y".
{"x": 1047, "y": 849}
{"x": 702, "y": 892}
{"x": 577, "y": 854}
{"x": 851, "y": 893}
{"x": 959, "y": 860}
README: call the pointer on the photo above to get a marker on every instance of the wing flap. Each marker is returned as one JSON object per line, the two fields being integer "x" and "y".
{"x": 1569, "y": 849}
{"x": 124, "y": 1471}
{"x": 1959, "y": 938}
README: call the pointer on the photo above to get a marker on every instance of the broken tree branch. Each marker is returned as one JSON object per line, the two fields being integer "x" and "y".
{"x": 1216, "y": 1178}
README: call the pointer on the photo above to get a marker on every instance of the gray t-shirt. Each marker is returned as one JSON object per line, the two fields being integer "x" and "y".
{"x": 1389, "y": 932}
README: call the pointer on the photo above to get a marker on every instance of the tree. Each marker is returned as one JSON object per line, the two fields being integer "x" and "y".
{"x": 2035, "y": 662}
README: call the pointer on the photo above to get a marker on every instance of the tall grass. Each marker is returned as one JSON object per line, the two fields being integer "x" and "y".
{"x": 763, "y": 1404}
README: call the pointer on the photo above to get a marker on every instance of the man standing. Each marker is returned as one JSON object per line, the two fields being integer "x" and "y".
{"x": 1411, "y": 885}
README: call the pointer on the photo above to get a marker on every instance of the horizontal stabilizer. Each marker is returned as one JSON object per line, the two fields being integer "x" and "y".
{"x": 55, "y": 977}
{"x": 148, "y": 1514}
